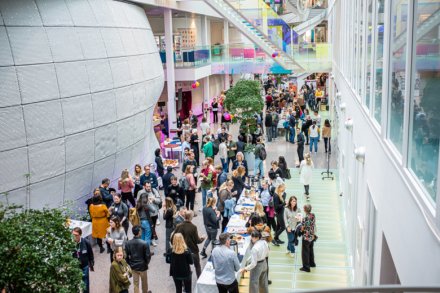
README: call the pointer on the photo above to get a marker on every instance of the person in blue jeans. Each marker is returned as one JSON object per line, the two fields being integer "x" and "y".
{"x": 259, "y": 167}
{"x": 292, "y": 216}
{"x": 143, "y": 208}
{"x": 292, "y": 127}
{"x": 314, "y": 137}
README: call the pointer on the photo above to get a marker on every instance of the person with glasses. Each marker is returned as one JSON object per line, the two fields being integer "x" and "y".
{"x": 84, "y": 254}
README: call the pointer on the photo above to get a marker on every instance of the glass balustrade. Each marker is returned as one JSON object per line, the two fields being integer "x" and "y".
{"x": 313, "y": 57}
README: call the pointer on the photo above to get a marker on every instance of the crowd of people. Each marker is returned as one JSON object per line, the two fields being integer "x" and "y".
{"x": 165, "y": 193}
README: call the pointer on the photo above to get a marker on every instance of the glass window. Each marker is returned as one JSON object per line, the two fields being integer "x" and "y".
{"x": 378, "y": 76}
{"x": 399, "y": 36}
{"x": 355, "y": 47}
{"x": 425, "y": 131}
{"x": 360, "y": 58}
{"x": 369, "y": 49}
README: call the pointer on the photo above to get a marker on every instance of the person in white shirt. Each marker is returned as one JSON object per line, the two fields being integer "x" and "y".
{"x": 223, "y": 154}
{"x": 258, "y": 282}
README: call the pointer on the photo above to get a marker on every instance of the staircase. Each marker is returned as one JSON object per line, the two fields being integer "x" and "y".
{"x": 423, "y": 28}
{"x": 229, "y": 12}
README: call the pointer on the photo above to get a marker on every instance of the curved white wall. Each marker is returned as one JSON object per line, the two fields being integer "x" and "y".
{"x": 79, "y": 81}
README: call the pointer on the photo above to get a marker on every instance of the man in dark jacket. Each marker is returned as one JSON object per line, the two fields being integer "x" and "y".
{"x": 268, "y": 125}
{"x": 166, "y": 180}
{"x": 84, "y": 254}
{"x": 105, "y": 193}
{"x": 138, "y": 257}
{"x": 176, "y": 192}
{"x": 149, "y": 177}
{"x": 300, "y": 149}
{"x": 192, "y": 239}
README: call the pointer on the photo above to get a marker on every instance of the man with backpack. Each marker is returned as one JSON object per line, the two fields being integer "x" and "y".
{"x": 260, "y": 156}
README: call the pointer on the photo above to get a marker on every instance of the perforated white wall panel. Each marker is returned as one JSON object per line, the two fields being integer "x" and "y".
{"x": 78, "y": 83}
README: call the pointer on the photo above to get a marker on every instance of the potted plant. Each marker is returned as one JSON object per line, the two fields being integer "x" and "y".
{"x": 244, "y": 101}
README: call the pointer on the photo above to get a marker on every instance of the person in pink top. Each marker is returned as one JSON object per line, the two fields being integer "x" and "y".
{"x": 191, "y": 192}
{"x": 125, "y": 185}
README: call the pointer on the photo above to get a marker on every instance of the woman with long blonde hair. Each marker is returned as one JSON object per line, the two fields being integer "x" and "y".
{"x": 306, "y": 171}
{"x": 279, "y": 202}
{"x": 180, "y": 261}
{"x": 126, "y": 185}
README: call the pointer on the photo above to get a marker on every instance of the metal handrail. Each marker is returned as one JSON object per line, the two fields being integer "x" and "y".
{"x": 380, "y": 289}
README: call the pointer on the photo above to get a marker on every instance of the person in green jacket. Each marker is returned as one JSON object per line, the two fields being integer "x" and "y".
{"x": 208, "y": 149}
{"x": 120, "y": 273}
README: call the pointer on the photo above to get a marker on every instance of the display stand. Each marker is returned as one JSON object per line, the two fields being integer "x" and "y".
{"x": 328, "y": 173}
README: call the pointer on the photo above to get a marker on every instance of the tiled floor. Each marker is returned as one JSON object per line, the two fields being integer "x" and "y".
{"x": 330, "y": 250}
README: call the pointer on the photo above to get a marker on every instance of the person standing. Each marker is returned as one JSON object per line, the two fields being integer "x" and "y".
{"x": 279, "y": 202}
{"x": 192, "y": 239}
{"x": 232, "y": 149}
{"x": 300, "y": 145}
{"x": 105, "y": 193}
{"x": 138, "y": 257}
{"x": 214, "y": 106}
{"x": 268, "y": 125}
{"x": 258, "y": 281}
{"x": 149, "y": 177}
{"x": 327, "y": 134}
{"x": 305, "y": 127}
{"x": 260, "y": 156}
{"x": 193, "y": 120}
{"x": 120, "y": 273}
{"x": 137, "y": 180}
{"x": 116, "y": 236}
{"x": 206, "y": 176}
{"x": 166, "y": 180}
{"x": 292, "y": 216}
{"x": 207, "y": 149}
{"x": 159, "y": 165}
{"x": 99, "y": 214}
{"x": 169, "y": 210}
{"x": 309, "y": 237}
{"x": 223, "y": 154}
{"x": 306, "y": 172}
{"x": 314, "y": 137}
{"x": 191, "y": 192}
{"x": 211, "y": 219}
{"x": 225, "y": 263}
{"x": 120, "y": 210}
{"x": 180, "y": 260}
{"x": 143, "y": 210}
{"x": 126, "y": 185}
{"x": 84, "y": 253}
{"x": 194, "y": 142}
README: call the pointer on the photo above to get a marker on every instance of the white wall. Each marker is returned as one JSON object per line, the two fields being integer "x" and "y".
{"x": 414, "y": 249}
{"x": 79, "y": 76}
{"x": 157, "y": 25}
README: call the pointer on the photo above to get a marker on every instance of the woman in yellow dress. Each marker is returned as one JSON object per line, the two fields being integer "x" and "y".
{"x": 99, "y": 214}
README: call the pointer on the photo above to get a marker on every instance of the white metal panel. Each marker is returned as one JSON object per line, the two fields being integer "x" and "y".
{"x": 72, "y": 78}
{"x": 124, "y": 102}
{"x": 112, "y": 41}
{"x": 104, "y": 107}
{"x": 80, "y": 149}
{"x": 20, "y": 12}
{"x": 77, "y": 114}
{"x": 58, "y": 38}
{"x": 78, "y": 183}
{"x": 40, "y": 191}
{"x": 38, "y": 83}
{"x": 46, "y": 160}
{"x": 5, "y": 49}
{"x": 9, "y": 91}
{"x": 43, "y": 121}
{"x": 54, "y": 13}
{"x": 12, "y": 129}
{"x": 100, "y": 75}
{"x": 105, "y": 141}
{"x": 120, "y": 71}
{"x": 81, "y": 13}
{"x": 91, "y": 42}
{"x": 23, "y": 38}
{"x": 13, "y": 169}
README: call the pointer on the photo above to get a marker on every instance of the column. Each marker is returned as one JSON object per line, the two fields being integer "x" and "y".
{"x": 226, "y": 52}
{"x": 171, "y": 79}
{"x": 206, "y": 98}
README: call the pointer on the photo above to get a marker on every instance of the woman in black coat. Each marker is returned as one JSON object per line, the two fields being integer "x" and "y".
{"x": 237, "y": 178}
{"x": 279, "y": 202}
{"x": 282, "y": 165}
{"x": 180, "y": 261}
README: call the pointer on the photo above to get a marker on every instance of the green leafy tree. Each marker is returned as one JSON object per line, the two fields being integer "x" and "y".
{"x": 36, "y": 248}
{"x": 244, "y": 101}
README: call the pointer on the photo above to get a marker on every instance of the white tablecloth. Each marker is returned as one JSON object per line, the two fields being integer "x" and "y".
{"x": 206, "y": 282}
{"x": 86, "y": 227}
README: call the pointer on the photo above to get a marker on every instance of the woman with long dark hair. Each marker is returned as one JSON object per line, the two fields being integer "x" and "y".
{"x": 137, "y": 180}
{"x": 327, "y": 135}
{"x": 292, "y": 216}
{"x": 282, "y": 164}
{"x": 279, "y": 202}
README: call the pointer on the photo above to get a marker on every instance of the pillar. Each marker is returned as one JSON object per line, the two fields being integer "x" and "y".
{"x": 226, "y": 52}
{"x": 171, "y": 78}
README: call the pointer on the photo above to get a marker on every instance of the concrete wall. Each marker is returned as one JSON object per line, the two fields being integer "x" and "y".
{"x": 79, "y": 81}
